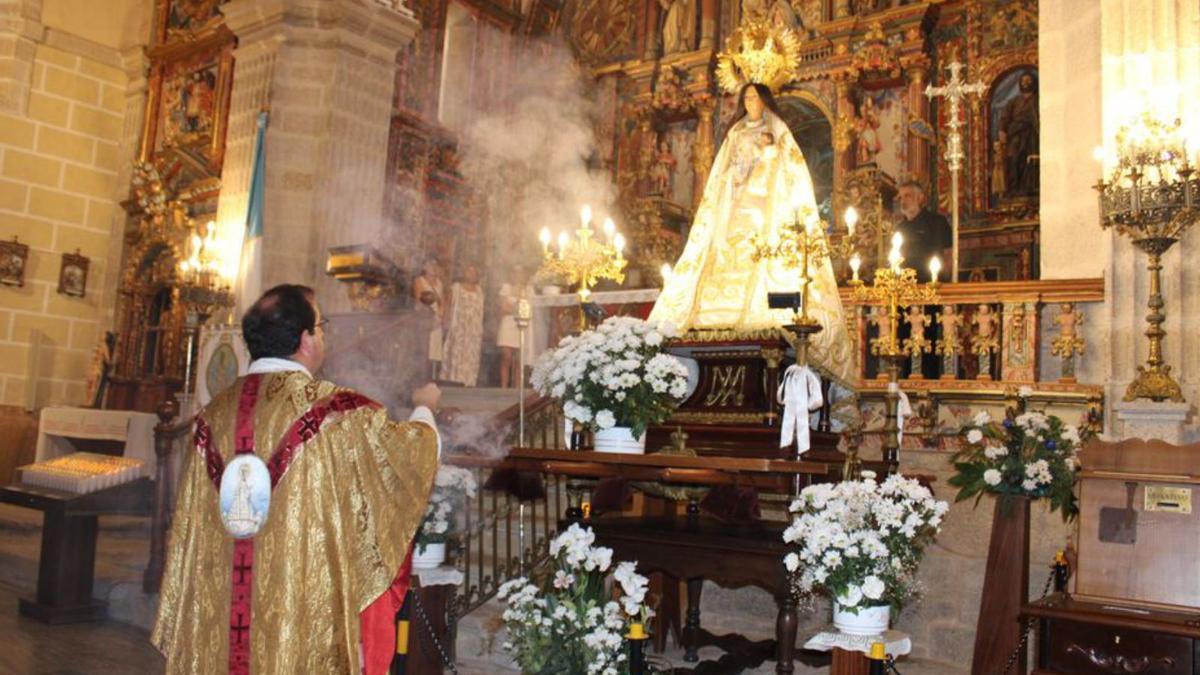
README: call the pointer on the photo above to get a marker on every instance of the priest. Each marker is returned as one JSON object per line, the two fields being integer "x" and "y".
{"x": 297, "y": 506}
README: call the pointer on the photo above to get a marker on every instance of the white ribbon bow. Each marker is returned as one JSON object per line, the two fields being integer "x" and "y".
{"x": 800, "y": 394}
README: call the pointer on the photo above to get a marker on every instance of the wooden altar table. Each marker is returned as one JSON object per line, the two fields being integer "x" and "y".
{"x": 693, "y": 548}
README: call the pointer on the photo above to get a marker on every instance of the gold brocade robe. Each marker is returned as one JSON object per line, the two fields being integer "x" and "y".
{"x": 758, "y": 177}
{"x": 338, "y": 529}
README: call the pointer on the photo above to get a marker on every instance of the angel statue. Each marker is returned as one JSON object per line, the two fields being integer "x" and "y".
{"x": 759, "y": 184}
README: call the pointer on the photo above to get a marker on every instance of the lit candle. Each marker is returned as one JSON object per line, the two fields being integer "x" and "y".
{"x": 855, "y": 262}
{"x": 851, "y": 219}
{"x": 562, "y": 243}
{"x": 665, "y": 271}
{"x": 1098, "y": 154}
{"x": 894, "y": 260}
{"x": 619, "y": 244}
{"x": 544, "y": 237}
{"x": 935, "y": 266}
{"x": 585, "y": 215}
{"x": 609, "y": 228}
{"x": 809, "y": 225}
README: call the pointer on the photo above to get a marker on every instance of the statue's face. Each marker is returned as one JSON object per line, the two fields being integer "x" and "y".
{"x": 754, "y": 104}
{"x": 471, "y": 274}
{"x": 1026, "y": 84}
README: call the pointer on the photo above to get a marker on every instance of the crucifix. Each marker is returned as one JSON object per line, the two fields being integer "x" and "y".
{"x": 955, "y": 90}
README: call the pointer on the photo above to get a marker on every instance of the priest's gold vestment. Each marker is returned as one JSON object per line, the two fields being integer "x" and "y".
{"x": 338, "y": 529}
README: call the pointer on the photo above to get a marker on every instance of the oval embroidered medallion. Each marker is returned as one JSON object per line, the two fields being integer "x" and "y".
{"x": 245, "y": 496}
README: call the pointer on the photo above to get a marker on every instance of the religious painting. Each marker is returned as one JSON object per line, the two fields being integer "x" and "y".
{"x": 188, "y": 18}
{"x": 13, "y": 256}
{"x": 1013, "y": 160}
{"x": 72, "y": 276}
{"x": 245, "y": 496}
{"x": 813, "y": 133}
{"x": 191, "y": 109}
{"x": 1007, "y": 24}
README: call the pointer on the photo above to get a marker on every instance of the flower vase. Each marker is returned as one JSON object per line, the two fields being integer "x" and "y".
{"x": 428, "y": 556}
{"x": 867, "y": 621}
{"x": 619, "y": 440}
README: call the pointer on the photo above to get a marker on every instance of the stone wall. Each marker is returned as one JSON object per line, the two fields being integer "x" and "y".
{"x": 63, "y": 148}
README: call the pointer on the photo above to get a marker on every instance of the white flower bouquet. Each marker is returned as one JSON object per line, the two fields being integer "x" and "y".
{"x": 1028, "y": 453}
{"x": 572, "y": 624}
{"x": 451, "y": 488}
{"x": 614, "y": 375}
{"x": 861, "y": 541}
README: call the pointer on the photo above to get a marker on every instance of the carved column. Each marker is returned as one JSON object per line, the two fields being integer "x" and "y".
{"x": 918, "y": 106}
{"x": 20, "y": 31}
{"x": 1019, "y": 351}
{"x": 650, "y": 52}
{"x": 843, "y": 116}
{"x": 709, "y": 15}
{"x": 703, "y": 151}
{"x": 325, "y": 69}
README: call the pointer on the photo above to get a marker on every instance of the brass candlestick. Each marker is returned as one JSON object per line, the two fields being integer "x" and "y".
{"x": 894, "y": 287}
{"x": 1149, "y": 199}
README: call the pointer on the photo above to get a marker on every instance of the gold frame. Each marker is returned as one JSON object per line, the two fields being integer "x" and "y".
{"x": 16, "y": 250}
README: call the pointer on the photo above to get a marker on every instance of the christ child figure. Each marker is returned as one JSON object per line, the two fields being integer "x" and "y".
{"x": 879, "y": 317}
{"x": 664, "y": 169}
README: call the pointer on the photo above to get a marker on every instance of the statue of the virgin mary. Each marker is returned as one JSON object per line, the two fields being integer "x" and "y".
{"x": 759, "y": 184}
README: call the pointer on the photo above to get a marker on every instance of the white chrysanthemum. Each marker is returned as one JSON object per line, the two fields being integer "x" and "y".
{"x": 992, "y": 477}
{"x": 605, "y": 419}
{"x": 873, "y": 587}
{"x": 974, "y": 436}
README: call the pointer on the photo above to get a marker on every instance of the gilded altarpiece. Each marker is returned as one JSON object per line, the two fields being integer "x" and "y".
{"x": 173, "y": 195}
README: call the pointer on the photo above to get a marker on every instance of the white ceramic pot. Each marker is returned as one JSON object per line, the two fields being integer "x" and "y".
{"x": 619, "y": 439}
{"x": 868, "y": 620}
{"x": 429, "y": 557}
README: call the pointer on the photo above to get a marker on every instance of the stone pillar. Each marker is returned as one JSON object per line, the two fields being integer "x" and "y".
{"x": 326, "y": 70}
{"x": 709, "y": 15}
{"x": 20, "y": 32}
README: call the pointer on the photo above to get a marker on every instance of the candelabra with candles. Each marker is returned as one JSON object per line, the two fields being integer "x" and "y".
{"x": 1149, "y": 198}
{"x": 202, "y": 293}
{"x": 894, "y": 287}
{"x": 584, "y": 260}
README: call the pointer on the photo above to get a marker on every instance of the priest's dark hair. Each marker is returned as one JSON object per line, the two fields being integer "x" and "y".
{"x": 764, "y": 92}
{"x": 273, "y": 325}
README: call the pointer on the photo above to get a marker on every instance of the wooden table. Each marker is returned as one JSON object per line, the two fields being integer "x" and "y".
{"x": 693, "y": 548}
{"x": 68, "y": 558}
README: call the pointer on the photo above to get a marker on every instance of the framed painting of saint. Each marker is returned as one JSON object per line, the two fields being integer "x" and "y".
{"x": 72, "y": 276}
{"x": 13, "y": 256}
{"x": 186, "y": 20}
{"x": 1013, "y": 161}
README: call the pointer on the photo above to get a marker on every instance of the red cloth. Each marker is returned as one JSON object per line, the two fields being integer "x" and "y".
{"x": 379, "y": 622}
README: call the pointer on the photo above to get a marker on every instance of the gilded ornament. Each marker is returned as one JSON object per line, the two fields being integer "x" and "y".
{"x": 759, "y": 53}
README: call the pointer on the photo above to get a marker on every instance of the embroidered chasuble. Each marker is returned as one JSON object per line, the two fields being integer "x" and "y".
{"x": 347, "y": 491}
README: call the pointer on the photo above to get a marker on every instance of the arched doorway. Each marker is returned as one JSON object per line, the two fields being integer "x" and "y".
{"x": 814, "y": 133}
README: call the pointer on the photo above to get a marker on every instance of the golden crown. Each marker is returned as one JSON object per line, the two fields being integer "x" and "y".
{"x": 761, "y": 53}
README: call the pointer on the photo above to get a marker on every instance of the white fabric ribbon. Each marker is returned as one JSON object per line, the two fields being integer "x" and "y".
{"x": 903, "y": 410}
{"x": 800, "y": 394}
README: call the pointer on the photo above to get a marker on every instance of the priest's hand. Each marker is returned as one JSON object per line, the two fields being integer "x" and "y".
{"x": 428, "y": 395}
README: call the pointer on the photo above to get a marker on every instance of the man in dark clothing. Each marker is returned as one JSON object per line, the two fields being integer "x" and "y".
{"x": 926, "y": 233}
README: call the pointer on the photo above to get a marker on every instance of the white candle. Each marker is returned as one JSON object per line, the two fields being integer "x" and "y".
{"x": 935, "y": 266}
{"x": 544, "y": 237}
{"x": 609, "y": 228}
{"x": 619, "y": 243}
{"x": 562, "y": 243}
{"x": 665, "y": 271}
{"x": 585, "y": 215}
{"x": 851, "y": 219}
{"x": 855, "y": 262}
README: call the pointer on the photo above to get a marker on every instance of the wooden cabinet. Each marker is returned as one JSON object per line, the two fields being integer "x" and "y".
{"x": 1082, "y": 638}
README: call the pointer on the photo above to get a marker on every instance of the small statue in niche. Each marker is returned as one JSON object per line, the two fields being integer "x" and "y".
{"x": 867, "y": 125}
{"x": 663, "y": 171}
{"x": 679, "y": 26}
{"x": 1068, "y": 343}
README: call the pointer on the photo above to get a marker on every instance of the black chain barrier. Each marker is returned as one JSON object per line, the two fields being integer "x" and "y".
{"x": 437, "y": 644}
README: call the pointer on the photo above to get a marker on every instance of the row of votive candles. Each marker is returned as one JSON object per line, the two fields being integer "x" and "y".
{"x": 82, "y": 472}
